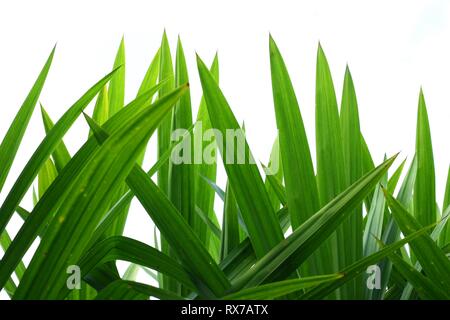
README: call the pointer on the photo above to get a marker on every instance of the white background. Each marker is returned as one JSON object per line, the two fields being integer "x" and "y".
{"x": 392, "y": 48}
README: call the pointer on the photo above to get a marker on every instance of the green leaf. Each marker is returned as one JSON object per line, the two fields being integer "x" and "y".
{"x": 280, "y": 288}
{"x": 37, "y": 221}
{"x": 275, "y": 188}
{"x": 181, "y": 177}
{"x": 44, "y": 150}
{"x": 446, "y": 202}
{"x": 101, "y": 108}
{"x": 149, "y": 82}
{"x": 330, "y": 158}
{"x": 126, "y": 249}
{"x": 164, "y": 131}
{"x": 437, "y": 231}
{"x": 101, "y": 136}
{"x": 151, "y": 76}
{"x": 116, "y": 90}
{"x": 68, "y": 234}
{"x": 178, "y": 234}
{"x": 204, "y": 198}
{"x": 243, "y": 256}
{"x": 230, "y": 225}
{"x": 368, "y": 165}
{"x": 374, "y": 229}
{"x": 14, "y": 135}
{"x": 61, "y": 155}
{"x": 46, "y": 176}
{"x": 445, "y": 236}
{"x": 433, "y": 261}
{"x": 424, "y": 188}
{"x": 245, "y": 179}
{"x": 5, "y": 242}
{"x": 301, "y": 188}
{"x": 287, "y": 256}
{"x": 129, "y": 290}
{"x": 23, "y": 213}
{"x": 352, "y": 151}
{"x": 405, "y": 194}
{"x": 182, "y": 185}
{"x": 391, "y": 232}
{"x": 116, "y": 101}
{"x": 131, "y": 272}
{"x": 331, "y": 177}
{"x": 275, "y": 173}
{"x": 57, "y": 191}
{"x": 218, "y": 190}
{"x": 166, "y": 74}
{"x": 213, "y": 227}
{"x": 393, "y": 180}
{"x": 423, "y": 285}
{"x": 374, "y": 224}
{"x": 359, "y": 267}
{"x": 238, "y": 260}
{"x": 126, "y": 198}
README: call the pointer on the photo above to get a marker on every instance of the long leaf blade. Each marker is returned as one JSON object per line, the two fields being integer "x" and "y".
{"x": 14, "y": 135}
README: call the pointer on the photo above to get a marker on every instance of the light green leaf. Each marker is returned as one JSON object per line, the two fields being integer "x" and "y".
{"x": 245, "y": 179}
{"x": 433, "y": 261}
{"x": 116, "y": 90}
{"x": 178, "y": 234}
{"x": 424, "y": 188}
{"x": 44, "y": 150}
{"x": 61, "y": 155}
{"x": 280, "y": 288}
{"x": 129, "y": 290}
{"x": 14, "y": 135}
{"x": 287, "y": 256}
{"x": 126, "y": 249}
{"x": 109, "y": 165}
{"x": 39, "y": 218}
